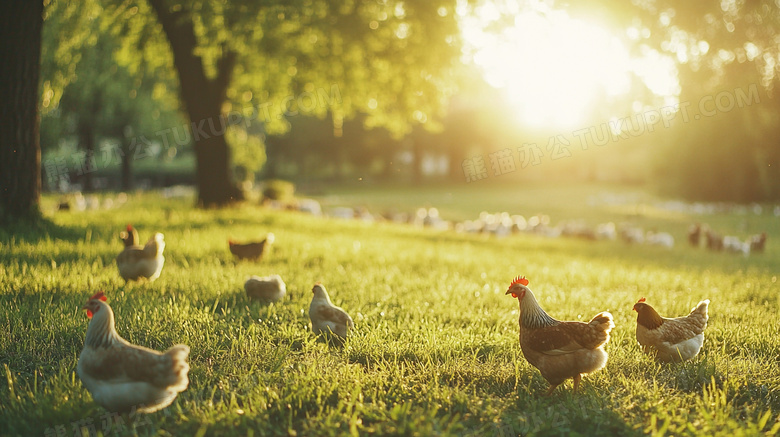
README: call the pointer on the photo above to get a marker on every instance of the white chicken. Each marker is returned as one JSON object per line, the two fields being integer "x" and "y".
{"x": 136, "y": 262}
{"x": 123, "y": 377}
{"x": 328, "y": 319}
{"x": 269, "y": 288}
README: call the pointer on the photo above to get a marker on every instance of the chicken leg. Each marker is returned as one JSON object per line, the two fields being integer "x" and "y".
{"x": 577, "y": 379}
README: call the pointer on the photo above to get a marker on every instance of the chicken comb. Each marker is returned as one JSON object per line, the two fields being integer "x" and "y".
{"x": 519, "y": 280}
{"x": 129, "y": 227}
{"x": 99, "y": 296}
{"x": 641, "y": 300}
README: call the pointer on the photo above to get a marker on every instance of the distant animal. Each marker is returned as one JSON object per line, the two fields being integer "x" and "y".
{"x": 270, "y": 288}
{"x": 631, "y": 235}
{"x": 735, "y": 245}
{"x": 328, "y": 319}
{"x": 714, "y": 241}
{"x": 310, "y": 206}
{"x": 694, "y": 235}
{"x": 560, "y": 350}
{"x": 129, "y": 236}
{"x": 253, "y": 250}
{"x": 758, "y": 242}
{"x": 123, "y": 377}
{"x": 663, "y": 239}
{"x": 137, "y": 262}
{"x": 670, "y": 340}
{"x": 606, "y": 231}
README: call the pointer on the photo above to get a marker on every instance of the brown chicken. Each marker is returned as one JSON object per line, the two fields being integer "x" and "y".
{"x": 560, "y": 350}
{"x": 129, "y": 236}
{"x": 136, "y": 262}
{"x": 251, "y": 251}
{"x": 671, "y": 340}
{"x": 123, "y": 377}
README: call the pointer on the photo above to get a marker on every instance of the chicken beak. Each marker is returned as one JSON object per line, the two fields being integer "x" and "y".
{"x": 510, "y": 292}
{"x": 89, "y": 311}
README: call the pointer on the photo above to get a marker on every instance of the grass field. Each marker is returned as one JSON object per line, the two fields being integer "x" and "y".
{"x": 435, "y": 350}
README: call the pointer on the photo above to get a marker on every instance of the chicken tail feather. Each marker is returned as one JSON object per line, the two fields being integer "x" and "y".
{"x": 155, "y": 245}
{"x": 603, "y": 321}
{"x": 699, "y": 314}
{"x": 701, "y": 308}
{"x": 179, "y": 366}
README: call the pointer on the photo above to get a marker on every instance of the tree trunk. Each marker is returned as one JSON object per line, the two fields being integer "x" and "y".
{"x": 87, "y": 142}
{"x": 20, "y": 151}
{"x": 417, "y": 159}
{"x": 203, "y": 98}
{"x": 457, "y": 155}
{"x": 127, "y": 169}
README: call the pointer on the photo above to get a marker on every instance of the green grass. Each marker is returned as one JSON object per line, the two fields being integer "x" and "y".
{"x": 435, "y": 350}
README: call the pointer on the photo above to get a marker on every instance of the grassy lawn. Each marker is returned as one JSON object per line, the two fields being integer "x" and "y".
{"x": 435, "y": 350}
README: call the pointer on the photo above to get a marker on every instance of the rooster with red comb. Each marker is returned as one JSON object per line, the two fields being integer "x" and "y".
{"x": 129, "y": 236}
{"x": 560, "y": 350}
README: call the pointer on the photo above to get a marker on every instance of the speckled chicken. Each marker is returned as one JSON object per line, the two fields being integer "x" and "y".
{"x": 671, "y": 340}
{"x": 123, "y": 377}
{"x": 137, "y": 262}
{"x": 269, "y": 288}
{"x": 560, "y": 350}
{"x": 328, "y": 319}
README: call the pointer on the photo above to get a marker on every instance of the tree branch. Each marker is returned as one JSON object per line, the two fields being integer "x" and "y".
{"x": 225, "y": 67}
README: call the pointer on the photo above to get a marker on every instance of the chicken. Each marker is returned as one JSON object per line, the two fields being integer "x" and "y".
{"x": 270, "y": 288}
{"x": 735, "y": 245}
{"x": 328, "y": 319}
{"x": 136, "y": 262}
{"x": 694, "y": 235}
{"x": 714, "y": 240}
{"x": 663, "y": 239}
{"x": 560, "y": 350}
{"x": 123, "y": 377}
{"x": 757, "y": 242}
{"x": 129, "y": 237}
{"x": 252, "y": 251}
{"x": 631, "y": 234}
{"x": 670, "y": 340}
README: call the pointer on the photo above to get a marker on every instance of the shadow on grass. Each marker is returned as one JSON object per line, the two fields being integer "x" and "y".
{"x": 38, "y": 230}
{"x": 564, "y": 413}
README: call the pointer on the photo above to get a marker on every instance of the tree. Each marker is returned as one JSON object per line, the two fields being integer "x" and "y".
{"x": 89, "y": 100}
{"x": 390, "y": 60}
{"x": 20, "y": 154}
{"x": 726, "y": 53}
{"x": 726, "y": 49}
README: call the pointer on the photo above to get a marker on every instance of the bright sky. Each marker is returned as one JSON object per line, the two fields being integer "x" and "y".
{"x": 553, "y": 67}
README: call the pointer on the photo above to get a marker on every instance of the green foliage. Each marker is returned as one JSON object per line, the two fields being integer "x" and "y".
{"x": 88, "y": 97}
{"x": 248, "y": 152}
{"x": 277, "y": 189}
{"x": 394, "y": 61}
{"x": 435, "y": 350}
{"x": 721, "y": 151}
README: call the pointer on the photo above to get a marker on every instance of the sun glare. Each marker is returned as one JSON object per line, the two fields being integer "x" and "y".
{"x": 554, "y": 68}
